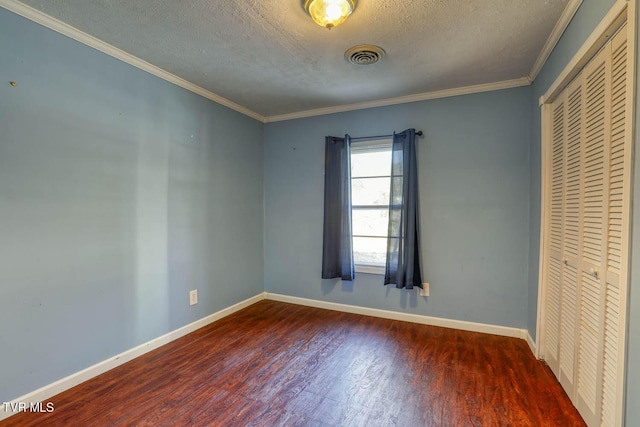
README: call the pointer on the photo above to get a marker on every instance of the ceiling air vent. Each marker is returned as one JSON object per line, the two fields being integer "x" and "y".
{"x": 364, "y": 54}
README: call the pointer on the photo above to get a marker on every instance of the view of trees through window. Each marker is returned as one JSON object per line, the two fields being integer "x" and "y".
{"x": 370, "y": 186}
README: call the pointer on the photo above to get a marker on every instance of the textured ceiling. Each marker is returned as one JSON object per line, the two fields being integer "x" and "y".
{"x": 268, "y": 56}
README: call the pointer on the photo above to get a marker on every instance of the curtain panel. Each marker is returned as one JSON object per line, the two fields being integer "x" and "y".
{"x": 337, "y": 241}
{"x": 403, "y": 253}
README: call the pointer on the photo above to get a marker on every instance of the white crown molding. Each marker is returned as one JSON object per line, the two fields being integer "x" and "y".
{"x": 54, "y": 24}
{"x": 567, "y": 15}
{"x": 446, "y": 93}
{"x": 65, "y": 29}
{"x": 73, "y": 380}
{"x": 607, "y": 27}
{"x": 405, "y": 317}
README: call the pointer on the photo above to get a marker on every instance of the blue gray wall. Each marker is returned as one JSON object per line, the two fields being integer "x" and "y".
{"x": 589, "y": 15}
{"x": 474, "y": 194}
{"x": 119, "y": 192}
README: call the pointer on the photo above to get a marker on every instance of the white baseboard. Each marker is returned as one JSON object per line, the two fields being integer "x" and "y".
{"x": 72, "y": 380}
{"x": 407, "y": 317}
{"x": 532, "y": 344}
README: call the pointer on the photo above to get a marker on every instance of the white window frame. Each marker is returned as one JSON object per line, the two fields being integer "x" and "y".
{"x": 383, "y": 144}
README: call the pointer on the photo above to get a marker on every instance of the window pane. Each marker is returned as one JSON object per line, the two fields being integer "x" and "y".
{"x": 369, "y": 250}
{"x": 370, "y": 184}
{"x": 370, "y": 191}
{"x": 375, "y": 163}
{"x": 370, "y": 222}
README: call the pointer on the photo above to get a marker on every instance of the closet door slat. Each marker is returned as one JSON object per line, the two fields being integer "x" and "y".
{"x": 613, "y": 338}
{"x": 590, "y": 340}
{"x": 572, "y": 241}
{"x": 555, "y": 272}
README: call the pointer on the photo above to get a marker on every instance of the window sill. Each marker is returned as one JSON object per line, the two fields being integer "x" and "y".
{"x": 370, "y": 269}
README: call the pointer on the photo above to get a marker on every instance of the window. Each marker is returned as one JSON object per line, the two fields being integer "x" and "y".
{"x": 370, "y": 187}
{"x": 358, "y": 219}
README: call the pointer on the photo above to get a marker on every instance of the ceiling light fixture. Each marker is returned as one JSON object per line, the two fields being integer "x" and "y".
{"x": 329, "y": 13}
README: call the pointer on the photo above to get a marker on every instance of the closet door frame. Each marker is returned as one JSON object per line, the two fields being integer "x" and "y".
{"x": 622, "y": 12}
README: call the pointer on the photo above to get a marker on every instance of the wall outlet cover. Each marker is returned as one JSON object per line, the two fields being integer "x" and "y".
{"x": 424, "y": 292}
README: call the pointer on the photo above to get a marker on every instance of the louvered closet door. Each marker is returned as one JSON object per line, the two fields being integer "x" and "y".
{"x": 572, "y": 236}
{"x": 594, "y": 199}
{"x": 617, "y": 226}
{"x": 554, "y": 273}
{"x": 586, "y": 268}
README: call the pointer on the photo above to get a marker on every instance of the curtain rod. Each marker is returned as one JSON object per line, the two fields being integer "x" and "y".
{"x": 418, "y": 133}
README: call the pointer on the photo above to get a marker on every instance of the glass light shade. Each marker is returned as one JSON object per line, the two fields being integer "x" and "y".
{"x": 329, "y": 13}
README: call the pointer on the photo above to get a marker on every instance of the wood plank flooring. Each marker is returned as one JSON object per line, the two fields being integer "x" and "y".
{"x": 277, "y": 364}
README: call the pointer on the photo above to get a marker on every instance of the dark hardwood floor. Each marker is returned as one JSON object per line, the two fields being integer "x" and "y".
{"x": 276, "y": 364}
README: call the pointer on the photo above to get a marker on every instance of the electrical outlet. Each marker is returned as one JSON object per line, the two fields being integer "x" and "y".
{"x": 193, "y": 297}
{"x": 424, "y": 292}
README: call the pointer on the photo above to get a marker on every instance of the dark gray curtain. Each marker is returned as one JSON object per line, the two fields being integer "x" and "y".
{"x": 403, "y": 255}
{"x": 337, "y": 243}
